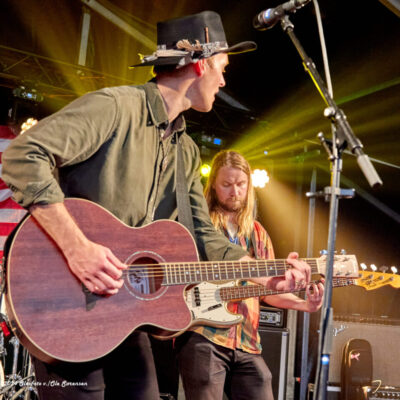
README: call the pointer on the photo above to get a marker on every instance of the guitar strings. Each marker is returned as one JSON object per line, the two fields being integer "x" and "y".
{"x": 236, "y": 293}
{"x": 174, "y": 270}
{"x": 232, "y": 293}
{"x": 195, "y": 271}
{"x": 226, "y": 290}
{"x": 209, "y": 296}
{"x": 252, "y": 262}
{"x": 219, "y": 264}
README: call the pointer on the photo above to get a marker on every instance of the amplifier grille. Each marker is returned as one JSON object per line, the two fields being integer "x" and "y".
{"x": 384, "y": 340}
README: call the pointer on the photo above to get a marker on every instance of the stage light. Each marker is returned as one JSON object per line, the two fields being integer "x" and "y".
{"x": 259, "y": 178}
{"x": 28, "y": 94}
{"x": 28, "y": 124}
{"x": 205, "y": 170}
{"x": 210, "y": 140}
{"x": 325, "y": 359}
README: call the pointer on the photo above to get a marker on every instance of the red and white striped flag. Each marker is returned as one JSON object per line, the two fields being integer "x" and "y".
{"x": 10, "y": 212}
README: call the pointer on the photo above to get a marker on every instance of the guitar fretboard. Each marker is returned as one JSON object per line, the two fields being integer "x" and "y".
{"x": 190, "y": 273}
{"x": 244, "y": 292}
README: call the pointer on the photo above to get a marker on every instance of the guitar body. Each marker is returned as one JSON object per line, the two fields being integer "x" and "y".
{"x": 56, "y": 318}
{"x": 207, "y": 307}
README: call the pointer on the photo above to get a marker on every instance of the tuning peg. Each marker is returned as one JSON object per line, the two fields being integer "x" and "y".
{"x": 373, "y": 267}
{"x": 343, "y": 252}
{"x": 323, "y": 252}
{"x": 394, "y": 269}
{"x": 363, "y": 266}
{"x": 384, "y": 268}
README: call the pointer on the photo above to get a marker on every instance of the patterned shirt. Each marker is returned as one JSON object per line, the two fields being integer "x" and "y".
{"x": 243, "y": 336}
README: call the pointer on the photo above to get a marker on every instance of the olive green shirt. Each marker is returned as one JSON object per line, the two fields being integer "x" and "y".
{"x": 108, "y": 147}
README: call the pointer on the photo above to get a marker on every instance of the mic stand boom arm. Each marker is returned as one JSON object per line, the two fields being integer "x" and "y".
{"x": 333, "y": 112}
{"x": 342, "y": 136}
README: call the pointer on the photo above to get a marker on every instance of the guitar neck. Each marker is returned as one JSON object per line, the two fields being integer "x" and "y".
{"x": 192, "y": 273}
{"x": 237, "y": 293}
{"x": 369, "y": 280}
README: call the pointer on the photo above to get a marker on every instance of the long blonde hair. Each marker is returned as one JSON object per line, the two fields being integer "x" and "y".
{"x": 245, "y": 217}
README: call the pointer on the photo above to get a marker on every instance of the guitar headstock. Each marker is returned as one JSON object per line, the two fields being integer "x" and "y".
{"x": 371, "y": 280}
{"x": 344, "y": 265}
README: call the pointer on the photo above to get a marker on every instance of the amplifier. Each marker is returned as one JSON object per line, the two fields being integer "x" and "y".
{"x": 383, "y": 339}
{"x": 385, "y": 392}
{"x": 271, "y": 316}
{"x": 275, "y": 345}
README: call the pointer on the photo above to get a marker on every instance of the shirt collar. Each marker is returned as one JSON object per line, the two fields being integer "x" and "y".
{"x": 157, "y": 112}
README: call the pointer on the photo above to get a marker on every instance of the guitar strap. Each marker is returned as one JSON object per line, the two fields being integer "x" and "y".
{"x": 185, "y": 216}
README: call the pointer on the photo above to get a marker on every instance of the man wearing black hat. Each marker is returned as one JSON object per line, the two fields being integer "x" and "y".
{"x": 118, "y": 147}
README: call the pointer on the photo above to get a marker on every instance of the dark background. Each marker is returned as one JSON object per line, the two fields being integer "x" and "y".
{"x": 39, "y": 47}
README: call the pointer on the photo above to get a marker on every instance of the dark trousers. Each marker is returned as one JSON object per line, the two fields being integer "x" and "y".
{"x": 128, "y": 372}
{"x": 207, "y": 369}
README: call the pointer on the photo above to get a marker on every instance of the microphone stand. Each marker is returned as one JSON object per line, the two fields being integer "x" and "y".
{"x": 342, "y": 136}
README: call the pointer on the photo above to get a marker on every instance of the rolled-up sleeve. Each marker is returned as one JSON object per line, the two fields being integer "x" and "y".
{"x": 67, "y": 137}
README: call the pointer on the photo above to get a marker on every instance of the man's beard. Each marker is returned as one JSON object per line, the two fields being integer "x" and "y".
{"x": 234, "y": 205}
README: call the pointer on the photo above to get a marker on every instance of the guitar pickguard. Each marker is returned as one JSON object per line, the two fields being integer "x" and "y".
{"x": 207, "y": 308}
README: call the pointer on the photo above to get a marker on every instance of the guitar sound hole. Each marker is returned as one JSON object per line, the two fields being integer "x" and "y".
{"x": 145, "y": 276}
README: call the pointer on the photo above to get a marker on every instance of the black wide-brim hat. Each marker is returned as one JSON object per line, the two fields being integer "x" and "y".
{"x": 185, "y": 40}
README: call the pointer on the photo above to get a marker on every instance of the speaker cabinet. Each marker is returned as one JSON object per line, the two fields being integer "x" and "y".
{"x": 384, "y": 340}
{"x": 275, "y": 343}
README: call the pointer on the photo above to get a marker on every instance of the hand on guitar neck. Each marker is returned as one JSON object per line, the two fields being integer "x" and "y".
{"x": 93, "y": 264}
{"x": 295, "y": 278}
{"x": 311, "y": 303}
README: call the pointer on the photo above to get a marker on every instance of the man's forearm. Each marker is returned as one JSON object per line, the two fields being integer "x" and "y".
{"x": 313, "y": 302}
{"x": 286, "y": 300}
{"x": 58, "y": 223}
{"x": 93, "y": 264}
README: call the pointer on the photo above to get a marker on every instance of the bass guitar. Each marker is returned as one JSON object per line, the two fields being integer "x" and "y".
{"x": 208, "y": 301}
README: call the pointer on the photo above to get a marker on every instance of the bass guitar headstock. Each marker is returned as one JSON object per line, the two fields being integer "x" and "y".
{"x": 372, "y": 279}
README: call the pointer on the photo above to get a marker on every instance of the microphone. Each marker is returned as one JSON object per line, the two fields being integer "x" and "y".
{"x": 268, "y": 18}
